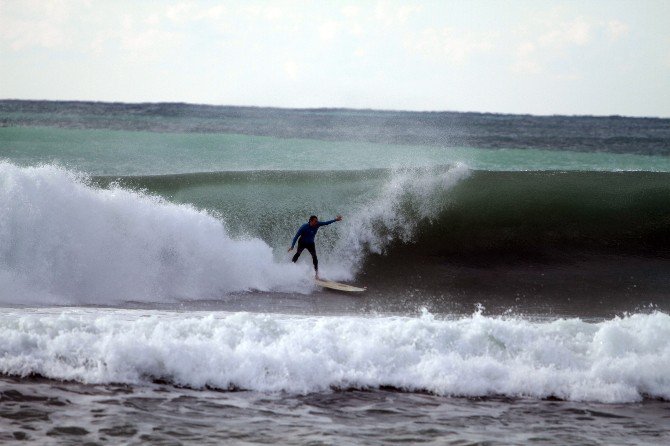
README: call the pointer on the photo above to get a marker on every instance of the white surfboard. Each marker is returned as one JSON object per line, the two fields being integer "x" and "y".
{"x": 338, "y": 286}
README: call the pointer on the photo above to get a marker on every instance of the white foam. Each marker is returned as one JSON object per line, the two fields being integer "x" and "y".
{"x": 62, "y": 240}
{"x": 619, "y": 360}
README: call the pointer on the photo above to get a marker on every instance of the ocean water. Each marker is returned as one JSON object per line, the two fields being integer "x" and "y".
{"x": 518, "y": 274}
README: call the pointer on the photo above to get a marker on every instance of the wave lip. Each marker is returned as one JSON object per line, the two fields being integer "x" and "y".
{"x": 619, "y": 360}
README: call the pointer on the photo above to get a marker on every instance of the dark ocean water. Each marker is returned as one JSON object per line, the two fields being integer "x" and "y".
{"x": 517, "y": 267}
{"x": 159, "y": 414}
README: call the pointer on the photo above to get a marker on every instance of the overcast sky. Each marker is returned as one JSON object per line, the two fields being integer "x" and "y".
{"x": 539, "y": 57}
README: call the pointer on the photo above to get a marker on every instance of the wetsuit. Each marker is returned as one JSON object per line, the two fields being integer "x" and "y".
{"x": 306, "y": 233}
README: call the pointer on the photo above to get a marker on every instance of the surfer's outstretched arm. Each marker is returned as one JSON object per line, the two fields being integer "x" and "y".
{"x": 307, "y": 231}
{"x": 324, "y": 223}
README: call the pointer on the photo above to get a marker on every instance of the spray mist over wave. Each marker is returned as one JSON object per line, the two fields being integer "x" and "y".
{"x": 409, "y": 197}
{"x": 63, "y": 241}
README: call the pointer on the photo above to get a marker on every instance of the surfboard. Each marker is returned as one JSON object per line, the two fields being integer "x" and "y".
{"x": 338, "y": 286}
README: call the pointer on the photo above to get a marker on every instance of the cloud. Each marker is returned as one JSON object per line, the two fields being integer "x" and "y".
{"x": 351, "y": 11}
{"x": 526, "y": 49}
{"x": 190, "y": 12}
{"x": 449, "y": 44}
{"x": 180, "y": 11}
{"x": 329, "y": 30}
{"x": 552, "y": 35}
{"x": 70, "y": 25}
{"x": 148, "y": 41}
{"x": 525, "y": 59}
{"x": 390, "y": 15}
{"x": 569, "y": 77}
{"x": 573, "y": 32}
{"x": 142, "y": 42}
{"x": 41, "y": 24}
{"x": 361, "y": 52}
{"x": 616, "y": 29}
{"x": 292, "y": 69}
{"x": 269, "y": 12}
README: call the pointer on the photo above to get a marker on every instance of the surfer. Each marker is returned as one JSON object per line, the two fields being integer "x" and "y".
{"x": 306, "y": 235}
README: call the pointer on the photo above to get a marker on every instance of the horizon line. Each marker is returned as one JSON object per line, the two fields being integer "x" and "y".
{"x": 325, "y": 108}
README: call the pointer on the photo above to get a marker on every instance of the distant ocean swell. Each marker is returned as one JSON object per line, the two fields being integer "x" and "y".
{"x": 614, "y": 134}
{"x": 65, "y": 240}
{"x": 619, "y": 360}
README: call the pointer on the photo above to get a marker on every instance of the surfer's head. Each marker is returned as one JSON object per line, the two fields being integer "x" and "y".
{"x": 313, "y": 220}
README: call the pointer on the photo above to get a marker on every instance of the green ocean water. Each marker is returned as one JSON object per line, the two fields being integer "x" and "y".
{"x": 133, "y": 153}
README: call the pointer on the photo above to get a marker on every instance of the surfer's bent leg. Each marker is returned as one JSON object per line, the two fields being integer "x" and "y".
{"x": 297, "y": 253}
{"x": 311, "y": 247}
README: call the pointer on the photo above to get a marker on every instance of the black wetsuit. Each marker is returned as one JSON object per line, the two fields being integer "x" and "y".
{"x": 306, "y": 235}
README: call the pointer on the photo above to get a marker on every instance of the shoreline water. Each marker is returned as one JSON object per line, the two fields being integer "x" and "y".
{"x": 58, "y": 412}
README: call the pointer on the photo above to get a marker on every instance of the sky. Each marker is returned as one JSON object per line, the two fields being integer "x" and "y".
{"x": 516, "y": 56}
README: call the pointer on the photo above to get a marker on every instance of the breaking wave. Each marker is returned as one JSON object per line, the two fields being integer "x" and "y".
{"x": 618, "y": 360}
{"x": 64, "y": 241}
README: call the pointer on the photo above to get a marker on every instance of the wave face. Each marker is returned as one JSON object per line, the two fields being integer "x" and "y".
{"x": 64, "y": 241}
{"x": 445, "y": 211}
{"x": 512, "y": 214}
{"x": 619, "y": 360}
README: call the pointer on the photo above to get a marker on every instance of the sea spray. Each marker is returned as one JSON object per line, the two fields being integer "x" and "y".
{"x": 618, "y": 360}
{"x": 64, "y": 241}
{"x": 408, "y": 198}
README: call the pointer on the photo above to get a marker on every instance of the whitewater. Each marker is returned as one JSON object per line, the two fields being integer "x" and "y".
{"x": 517, "y": 269}
{"x": 79, "y": 244}
{"x": 621, "y": 360}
